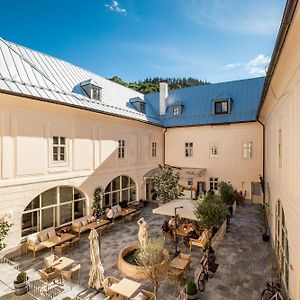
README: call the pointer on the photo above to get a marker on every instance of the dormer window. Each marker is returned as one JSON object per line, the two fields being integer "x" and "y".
{"x": 139, "y": 104}
{"x": 221, "y": 107}
{"x": 92, "y": 90}
{"x": 176, "y": 111}
{"x": 96, "y": 93}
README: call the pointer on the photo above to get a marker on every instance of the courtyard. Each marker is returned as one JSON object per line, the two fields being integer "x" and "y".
{"x": 243, "y": 258}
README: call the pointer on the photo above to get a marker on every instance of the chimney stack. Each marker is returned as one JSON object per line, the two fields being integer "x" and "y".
{"x": 163, "y": 95}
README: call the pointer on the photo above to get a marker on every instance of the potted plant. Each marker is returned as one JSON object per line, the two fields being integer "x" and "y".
{"x": 97, "y": 202}
{"x": 20, "y": 284}
{"x": 191, "y": 290}
{"x": 67, "y": 298}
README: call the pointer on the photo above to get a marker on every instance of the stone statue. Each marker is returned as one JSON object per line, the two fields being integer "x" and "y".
{"x": 143, "y": 234}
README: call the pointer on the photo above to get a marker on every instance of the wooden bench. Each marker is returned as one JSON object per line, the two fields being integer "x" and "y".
{"x": 132, "y": 216}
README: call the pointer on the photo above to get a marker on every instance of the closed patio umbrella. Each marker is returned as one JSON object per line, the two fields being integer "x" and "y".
{"x": 97, "y": 270}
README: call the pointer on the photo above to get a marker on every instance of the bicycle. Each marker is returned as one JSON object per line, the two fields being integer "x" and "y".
{"x": 272, "y": 292}
{"x": 204, "y": 275}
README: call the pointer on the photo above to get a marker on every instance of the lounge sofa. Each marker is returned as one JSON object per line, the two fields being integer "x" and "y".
{"x": 80, "y": 225}
{"x": 34, "y": 240}
{"x": 117, "y": 210}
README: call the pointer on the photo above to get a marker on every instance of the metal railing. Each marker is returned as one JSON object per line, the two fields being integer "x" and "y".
{"x": 4, "y": 260}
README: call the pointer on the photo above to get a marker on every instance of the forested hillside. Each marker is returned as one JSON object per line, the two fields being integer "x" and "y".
{"x": 151, "y": 85}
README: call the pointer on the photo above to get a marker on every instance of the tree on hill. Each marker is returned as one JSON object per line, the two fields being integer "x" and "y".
{"x": 151, "y": 85}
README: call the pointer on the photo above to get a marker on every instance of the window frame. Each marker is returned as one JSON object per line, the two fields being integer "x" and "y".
{"x": 248, "y": 147}
{"x": 213, "y": 149}
{"x": 213, "y": 183}
{"x": 121, "y": 149}
{"x": 154, "y": 149}
{"x": 177, "y": 110}
{"x": 95, "y": 90}
{"x": 220, "y": 102}
{"x": 188, "y": 149}
{"x": 59, "y": 146}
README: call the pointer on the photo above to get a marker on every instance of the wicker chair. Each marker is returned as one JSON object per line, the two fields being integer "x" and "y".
{"x": 75, "y": 242}
{"x": 50, "y": 260}
{"x": 49, "y": 275}
{"x": 175, "y": 275}
{"x": 61, "y": 249}
{"x": 71, "y": 274}
{"x": 202, "y": 240}
{"x": 108, "y": 282}
{"x": 185, "y": 256}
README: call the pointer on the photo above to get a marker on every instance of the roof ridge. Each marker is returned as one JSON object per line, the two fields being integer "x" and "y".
{"x": 59, "y": 59}
{"x": 7, "y": 43}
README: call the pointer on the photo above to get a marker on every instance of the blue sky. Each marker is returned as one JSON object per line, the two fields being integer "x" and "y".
{"x": 214, "y": 40}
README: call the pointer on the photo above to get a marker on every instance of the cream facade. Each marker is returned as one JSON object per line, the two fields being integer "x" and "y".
{"x": 91, "y": 153}
{"x": 280, "y": 115}
{"x": 230, "y": 153}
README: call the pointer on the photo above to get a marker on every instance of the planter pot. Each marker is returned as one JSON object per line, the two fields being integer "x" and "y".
{"x": 191, "y": 297}
{"x": 21, "y": 288}
{"x": 265, "y": 237}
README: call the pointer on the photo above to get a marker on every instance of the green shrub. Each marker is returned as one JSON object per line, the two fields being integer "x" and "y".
{"x": 211, "y": 211}
{"x": 190, "y": 288}
{"x": 227, "y": 192}
{"x": 67, "y": 298}
{"x": 22, "y": 277}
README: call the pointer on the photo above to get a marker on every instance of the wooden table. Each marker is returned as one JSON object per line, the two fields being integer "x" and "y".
{"x": 127, "y": 211}
{"x": 62, "y": 263}
{"x": 55, "y": 240}
{"x": 125, "y": 287}
{"x": 97, "y": 224}
{"x": 180, "y": 263}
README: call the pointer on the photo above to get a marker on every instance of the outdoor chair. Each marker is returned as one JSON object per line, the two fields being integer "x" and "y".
{"x": 75, "y": 242}
{"x": 175, "y": 274}
{"x": 103, "y": 229}
{"x": 49, "y": 275}
{"x": 108, "y": 282}
{"x": 49, "y": 260}
{"x": 185, "y": 256}
{"x": 144, "y": 295}
{"x": 202, "y": 240}
{"x": 110, "y": 226}
{"x": 61, "y": 249}
{"x": 71, "y": 274}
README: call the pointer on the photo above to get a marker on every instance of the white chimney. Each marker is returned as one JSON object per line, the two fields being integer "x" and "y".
{"x": 163, "y": 95}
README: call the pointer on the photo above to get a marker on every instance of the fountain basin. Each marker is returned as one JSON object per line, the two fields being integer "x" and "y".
{"x": 129, "y": 268}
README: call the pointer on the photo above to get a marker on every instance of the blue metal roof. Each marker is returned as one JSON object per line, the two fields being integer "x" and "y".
{"x": 197, "y": 103}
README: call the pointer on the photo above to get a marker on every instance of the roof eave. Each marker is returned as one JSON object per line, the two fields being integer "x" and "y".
{"x": 287, "y": 18}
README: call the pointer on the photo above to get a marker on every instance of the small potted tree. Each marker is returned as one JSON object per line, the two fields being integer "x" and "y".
{"x": 20, "y": 284}
{"x": 191, "y": 290}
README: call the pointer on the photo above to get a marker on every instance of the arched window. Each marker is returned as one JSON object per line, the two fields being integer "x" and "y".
{"x": 120, "y": 190}
{"x": 55, "y": 207}
{"x": 281, "y": 244}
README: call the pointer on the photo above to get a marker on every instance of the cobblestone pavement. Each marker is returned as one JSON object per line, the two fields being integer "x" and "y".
{"x": 244, "y": 260}
{"x": 243, "y": 257}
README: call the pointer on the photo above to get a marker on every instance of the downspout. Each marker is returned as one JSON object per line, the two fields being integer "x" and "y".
{"x": 263, "y": 166}
{"x": 164, "y": 145}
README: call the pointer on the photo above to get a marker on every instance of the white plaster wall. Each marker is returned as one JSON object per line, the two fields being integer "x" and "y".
{"x": 26, "y": 166}
{"x": 230, "y": 165}
{"x": 281, "y": 111}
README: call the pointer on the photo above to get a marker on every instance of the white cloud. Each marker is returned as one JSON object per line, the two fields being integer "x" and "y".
{"x": 242, "y": 17}
{"x": 256, "y": 66}
{"x": 115, "y": 6}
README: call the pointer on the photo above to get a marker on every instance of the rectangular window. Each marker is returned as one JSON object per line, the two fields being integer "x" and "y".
{"x": 280, "y": 148}
{"x": 213, "y": 150}
{"x": 188, "y": 149}
{"x": 247, "y": 150}
{"x": 221, "y": 107}
{"x": 59, "y": 148}
{"x": 176, "y": 110}
{"x": 96, "y": 93}
{"x": 142, "y": 107}
{"x": 213, "y": 183}
{"x": 154, "y": 148}
{"x": 121, "y": 149}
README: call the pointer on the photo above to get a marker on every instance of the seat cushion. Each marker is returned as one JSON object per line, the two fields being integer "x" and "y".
{"x": 33, "y": 238}
{"x": 43, "y": 236}
{"x": 141, "y": 296}
{"x": 77, "y": 223}
{"x": 49, "y": 259}
{"x": 84, "y": 222}
{"x": 51, "y": 233}
{"x": 118, "y": 208}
